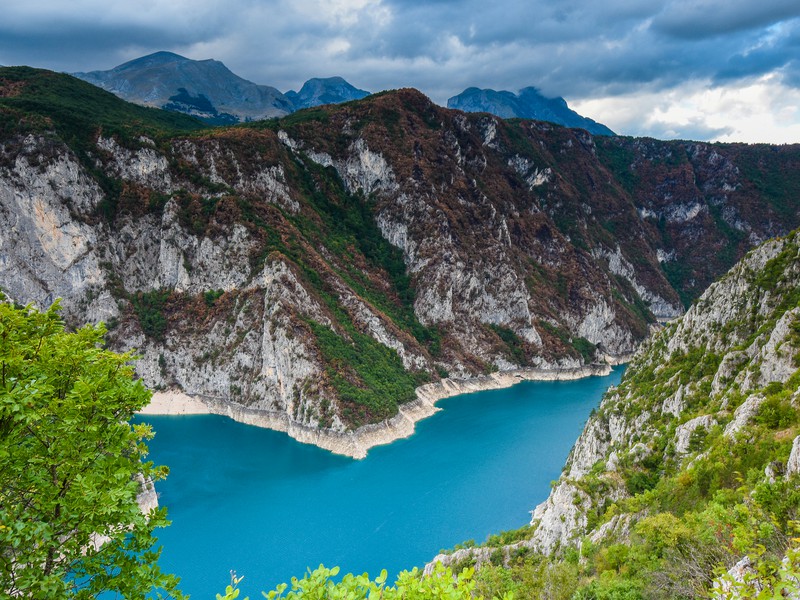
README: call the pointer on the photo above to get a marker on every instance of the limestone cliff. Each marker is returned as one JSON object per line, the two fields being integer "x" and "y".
{"x": 708, "y": 373}
{"x": 315, "y": 270}
{"x": 692, "y": 461}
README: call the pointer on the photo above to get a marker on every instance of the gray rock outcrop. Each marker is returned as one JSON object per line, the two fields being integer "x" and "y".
{"x": 621, "y": 421}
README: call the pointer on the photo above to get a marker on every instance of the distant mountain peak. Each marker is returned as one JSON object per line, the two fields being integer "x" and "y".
{"x": 528, "y": 103}
{"x": 325, "y": 90}
{"x": 156, "y": 58}
{"x": 334, "y": 79}
{"x": 164, "y": 55}
{"x": 203, "y": 88}
{"x": 209, "y": 90}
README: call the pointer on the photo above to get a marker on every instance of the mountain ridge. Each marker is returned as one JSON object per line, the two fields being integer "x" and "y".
{"x": 209, "y": 90}
{"x": 323, "y": 266}
{"x": 156, "y": 79}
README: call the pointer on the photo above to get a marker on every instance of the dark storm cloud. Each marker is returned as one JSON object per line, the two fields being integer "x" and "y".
{"x": 578, "y": 48}
{"x": 573, "y": 48}
{"x": 90, "y": 34}
{"x": 59, "y": 46}
{"x": 780, "y": 53}
{"x": 694, "y": 19}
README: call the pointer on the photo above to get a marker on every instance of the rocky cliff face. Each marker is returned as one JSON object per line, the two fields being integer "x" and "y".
{"x": 319, "y": 268}
{"x": 734, "y": 352}
{"x": 692, "y": 462}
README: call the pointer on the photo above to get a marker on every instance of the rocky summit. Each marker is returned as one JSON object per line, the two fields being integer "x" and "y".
{"x": 203, "y": 88}
{"x": 330, "y": 90}
{"x": 311, "y": 272}
{"x": 208, "y": 90}
{"x": 529, "y": 103}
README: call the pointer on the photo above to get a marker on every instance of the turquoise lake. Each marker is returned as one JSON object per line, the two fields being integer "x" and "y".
{"x": 256, "y": 501}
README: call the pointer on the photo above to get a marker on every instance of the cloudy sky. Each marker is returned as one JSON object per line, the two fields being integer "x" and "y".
{"x": 725, "y": 70}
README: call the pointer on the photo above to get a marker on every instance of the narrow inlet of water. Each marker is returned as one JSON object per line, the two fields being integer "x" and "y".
{"x": 256, "y": 501}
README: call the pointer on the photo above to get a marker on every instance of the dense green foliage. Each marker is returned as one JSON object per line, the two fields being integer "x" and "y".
{"x": 36, "y": 100}
{"x": 319, "y": 584}
{"x": 766, "y": 168}
{"x": 71, "y": 466}
{"x": 515, "y": 346}
{"x": 369, "y": 377}
{"x": 619, "y": 159}
{"x": 349, "y": 230}
{"x": 580, "y": 346}
{"x": 149, "y": 308}
{"x": 211, "y": 296}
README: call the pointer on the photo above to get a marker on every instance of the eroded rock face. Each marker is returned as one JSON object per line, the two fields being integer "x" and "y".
{"x": 619, "y": 265}
{"x": 777, "y": 363}
{"x": 559, "y": 518}
{"x": 46, "y": 251}
{"x": 793, "y": 464}
{"x": 457, "y": 243}
{"x": 147, "y": 498}
{"x": 627, "y": 427}
{"x": 468, "y": 277}
{"x": 743, "y": 414}
{"x": 145, "y": 165}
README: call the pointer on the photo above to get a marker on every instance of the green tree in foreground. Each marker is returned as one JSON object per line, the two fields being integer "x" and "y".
{"x": 71, "y": 466}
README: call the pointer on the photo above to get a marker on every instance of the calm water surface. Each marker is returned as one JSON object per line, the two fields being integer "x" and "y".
{"x": 258, "y": 502}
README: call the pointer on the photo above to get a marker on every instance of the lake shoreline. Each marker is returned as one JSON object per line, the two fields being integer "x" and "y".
{"x": 356, "y": 444}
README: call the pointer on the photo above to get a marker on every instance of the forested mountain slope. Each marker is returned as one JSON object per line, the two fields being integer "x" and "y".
{"x": 314, "y": 270}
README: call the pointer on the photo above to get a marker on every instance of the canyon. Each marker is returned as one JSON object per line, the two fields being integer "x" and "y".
{"x": 316, "y": 270}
